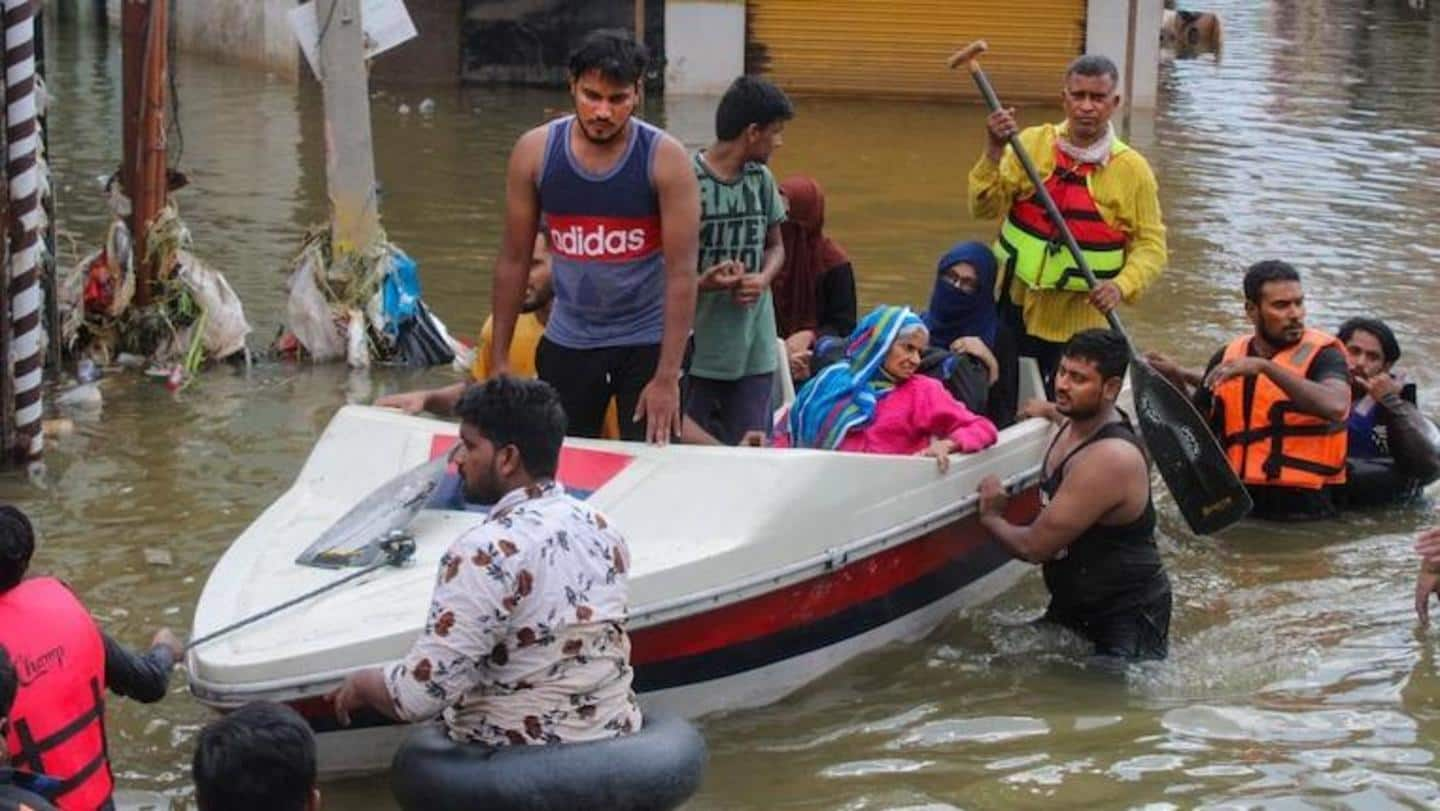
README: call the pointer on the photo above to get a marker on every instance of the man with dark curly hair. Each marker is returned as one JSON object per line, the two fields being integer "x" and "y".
{"x": 525, "y": 642}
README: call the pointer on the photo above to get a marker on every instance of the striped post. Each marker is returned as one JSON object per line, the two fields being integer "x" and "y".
{"x": 22, "y": 138}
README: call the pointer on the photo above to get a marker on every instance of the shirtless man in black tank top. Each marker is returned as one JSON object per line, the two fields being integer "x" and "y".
{"x": 1095, "y": 536}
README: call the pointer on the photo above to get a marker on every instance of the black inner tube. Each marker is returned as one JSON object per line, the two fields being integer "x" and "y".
{"x": 655, "y": 769}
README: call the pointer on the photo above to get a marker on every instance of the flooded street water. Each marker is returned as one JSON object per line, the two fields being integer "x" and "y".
{"x": 1297, "y": 677}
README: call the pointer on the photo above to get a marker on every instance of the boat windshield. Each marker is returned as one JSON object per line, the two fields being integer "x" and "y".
{"x": 355, "y": 540}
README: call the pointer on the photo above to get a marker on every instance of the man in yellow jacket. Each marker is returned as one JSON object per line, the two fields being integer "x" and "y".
{"x": 1108, "y": 196}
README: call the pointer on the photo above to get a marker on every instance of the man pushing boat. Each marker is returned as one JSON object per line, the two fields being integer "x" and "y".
{"x": 1095, "y": 536}
{"x": 525, "y": 642}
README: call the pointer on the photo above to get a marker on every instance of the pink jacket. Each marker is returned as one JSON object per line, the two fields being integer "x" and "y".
{"x": 909, "y": 417}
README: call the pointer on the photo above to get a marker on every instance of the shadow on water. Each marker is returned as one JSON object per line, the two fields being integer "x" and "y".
{"x": 1296, "y": 677}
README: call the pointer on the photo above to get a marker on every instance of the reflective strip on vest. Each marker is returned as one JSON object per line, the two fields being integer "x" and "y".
{"x": 1267, "y": 440}
{"x": 57, "y": 721}
{"x": 1031, "y": 248}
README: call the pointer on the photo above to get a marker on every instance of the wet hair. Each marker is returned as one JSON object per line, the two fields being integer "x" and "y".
{"x": 1382, "y": 332}
{"x": 17, "y": 545}
{"x": 612, "y": 51}
{"x": 9, "y": 686}
{"x": 1262, "y": 273}
{"x": 524, "y": 413}
{"x": 259, "y": 756}
{"x": 750, "y": 100}
{"x": 1105, "y": 348}
{"x": 1094, "y": 65}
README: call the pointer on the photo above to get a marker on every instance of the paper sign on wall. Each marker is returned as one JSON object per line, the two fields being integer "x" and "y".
{"x": 386, "y": 24}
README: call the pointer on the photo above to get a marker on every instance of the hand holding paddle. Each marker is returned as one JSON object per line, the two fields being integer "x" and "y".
{"x": 1191, "y": 462}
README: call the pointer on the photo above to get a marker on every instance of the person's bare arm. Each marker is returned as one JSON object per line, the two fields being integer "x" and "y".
{"x": 517, "y": 241}
{"x": 436, "y": 401}
{"x": 1428, "y": 582}
{"x": 679, "y": 194}
{"x": 753, "y": 285}
{"x": 1184, "y": 379}
{"x": 1327, "y": 399}
{"x": 1087, "y": 495}
{"x": 774, "y": 255}
{"x": 363, "y": 689}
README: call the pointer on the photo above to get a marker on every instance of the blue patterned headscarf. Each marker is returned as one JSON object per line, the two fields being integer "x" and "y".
{"x": 844, "y": 395}
{"x": 953, "y": 314}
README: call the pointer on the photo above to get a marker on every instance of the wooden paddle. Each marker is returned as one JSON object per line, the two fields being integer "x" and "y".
{"x": 1209, "y": 494}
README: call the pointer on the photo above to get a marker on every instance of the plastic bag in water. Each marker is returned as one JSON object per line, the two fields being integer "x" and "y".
{"x": 225, "y": 324}
{"x": 309, "y": 315}
{"x": 400, "y": 290}
{"x": 424, "y": 340}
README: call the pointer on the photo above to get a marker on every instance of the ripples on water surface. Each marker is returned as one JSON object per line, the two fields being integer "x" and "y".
{"x": 1297, "y": 679}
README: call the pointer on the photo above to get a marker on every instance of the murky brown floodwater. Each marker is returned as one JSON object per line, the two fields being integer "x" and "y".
{"x": 1297, "y": 678}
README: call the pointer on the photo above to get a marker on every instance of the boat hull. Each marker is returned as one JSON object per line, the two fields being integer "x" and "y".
{"x": 755, "y": 651}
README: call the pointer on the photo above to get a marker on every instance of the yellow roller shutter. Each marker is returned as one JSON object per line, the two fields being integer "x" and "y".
{"x": 899, "y": 47}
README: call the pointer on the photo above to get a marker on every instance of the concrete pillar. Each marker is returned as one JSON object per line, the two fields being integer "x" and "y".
{"x": 252, "y": 32}
{"x": 1128, "y": 31}
{"x": 691, "y": 118}
{"x": 704, "y": 46}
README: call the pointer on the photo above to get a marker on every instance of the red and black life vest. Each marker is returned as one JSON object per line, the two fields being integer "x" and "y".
{"x": 57, "y": 722}
{"x": 1031, "y": 247}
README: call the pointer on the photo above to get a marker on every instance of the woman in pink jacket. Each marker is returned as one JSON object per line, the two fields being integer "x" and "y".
{"x": 874, "y": 402}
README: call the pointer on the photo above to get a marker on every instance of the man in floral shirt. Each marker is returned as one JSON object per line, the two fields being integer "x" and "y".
{"x": 525, "y": 642}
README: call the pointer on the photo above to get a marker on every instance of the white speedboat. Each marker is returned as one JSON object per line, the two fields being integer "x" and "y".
{"x": 754, "y": 571}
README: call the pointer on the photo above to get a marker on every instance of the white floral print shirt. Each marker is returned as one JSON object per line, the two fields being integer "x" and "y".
{"x": 525, "y": 641}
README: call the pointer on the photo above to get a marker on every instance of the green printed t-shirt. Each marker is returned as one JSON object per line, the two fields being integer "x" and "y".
{"x": 732, "y": 340}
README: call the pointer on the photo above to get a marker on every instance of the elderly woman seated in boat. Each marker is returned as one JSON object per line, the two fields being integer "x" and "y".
{"x": 875, "y": 402}
{"x": 970, "y": 349}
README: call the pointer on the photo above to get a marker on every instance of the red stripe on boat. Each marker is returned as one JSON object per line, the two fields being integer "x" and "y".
{"x": 822, "y": 596}
{"x": 580, "y": 468}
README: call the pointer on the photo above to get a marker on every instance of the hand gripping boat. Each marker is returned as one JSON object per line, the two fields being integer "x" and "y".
{"x": 753, "y": 571}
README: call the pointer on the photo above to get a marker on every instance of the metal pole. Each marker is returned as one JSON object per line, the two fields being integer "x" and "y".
{"x": 24, "y": 360}
{"x": 349, "y": 161}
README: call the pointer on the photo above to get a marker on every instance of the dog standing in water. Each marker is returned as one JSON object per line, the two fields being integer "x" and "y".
{"x": 1189, "y": 34}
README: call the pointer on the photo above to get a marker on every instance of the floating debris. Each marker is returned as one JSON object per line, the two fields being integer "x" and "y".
{"x": 82, "y": 397}
{"x": 58, "y": 427}
{"x": 364, "y": 308}
{"x": 195, "y": 315}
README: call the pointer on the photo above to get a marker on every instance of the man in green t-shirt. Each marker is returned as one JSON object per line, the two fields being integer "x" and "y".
{"x": 734, "y": 360}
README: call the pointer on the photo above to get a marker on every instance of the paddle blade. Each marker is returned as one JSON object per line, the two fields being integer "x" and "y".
{"x": 1209, "y": 494}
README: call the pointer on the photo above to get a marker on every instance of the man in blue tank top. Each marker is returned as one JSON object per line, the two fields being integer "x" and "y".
{"x": 620, "y": 203}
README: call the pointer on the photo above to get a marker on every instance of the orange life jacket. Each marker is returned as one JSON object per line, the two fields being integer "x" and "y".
{"x": 1269, "y": 442}
{"x": 57, "y": 722}
{"x": 1030, "y": 246}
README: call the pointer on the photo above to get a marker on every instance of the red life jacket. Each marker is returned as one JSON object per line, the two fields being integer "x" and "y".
{"x": 1030, "y": 246}
{"x": 57, "y": 723}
